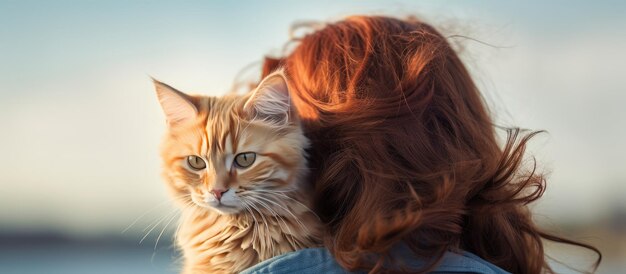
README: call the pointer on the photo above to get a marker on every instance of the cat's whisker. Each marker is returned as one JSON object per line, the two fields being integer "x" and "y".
{"x": 163, "y": 230}
{"x": 281, "y": 193}
{"x": 254, "y": 221}
{"x": 272, "y": 190}
{"x": 158, "y": 219}
{"x": 275, "y": 214}
{"x": 186, "y": 206}
{"x": 148, "y": 211}
{"x": 248, "y": 205}
{"x": 290, "y": 234}
{"x": 279, "y": 218}
{"x": 298, "y": 202}
{"x": 159, "y": 237}
{"x": 180, "y": 222}
{"x": 288, "y": 211}
{"x": 155, "y": 225}
{"x": 254, "y": 227}
{"x": 267, "y": 229}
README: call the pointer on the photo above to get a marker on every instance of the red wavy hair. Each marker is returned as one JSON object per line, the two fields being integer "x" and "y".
{"x": 404, "y": 149}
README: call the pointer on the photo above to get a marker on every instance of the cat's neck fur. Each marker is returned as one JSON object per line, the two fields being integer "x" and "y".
{"x": 231, "y": 243}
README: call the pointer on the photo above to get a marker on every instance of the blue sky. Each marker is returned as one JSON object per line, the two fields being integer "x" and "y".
{"x": 81, "y": 126}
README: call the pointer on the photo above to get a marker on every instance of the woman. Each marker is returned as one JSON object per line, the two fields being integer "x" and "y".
{"x": 408, "y": 173}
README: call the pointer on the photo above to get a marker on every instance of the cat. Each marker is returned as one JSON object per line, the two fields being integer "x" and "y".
{"x": 236, "y": 166}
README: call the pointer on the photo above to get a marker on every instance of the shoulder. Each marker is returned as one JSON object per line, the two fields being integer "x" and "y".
{"x": 305, "y": 261}
{"x": 319, "y": 260}
{"x": 466, "y": 262}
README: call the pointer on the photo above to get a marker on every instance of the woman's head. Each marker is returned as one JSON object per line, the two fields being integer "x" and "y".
{"x": 404, "y": 149}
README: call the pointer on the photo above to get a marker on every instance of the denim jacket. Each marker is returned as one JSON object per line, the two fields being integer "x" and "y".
{"x": 319, "y": 260}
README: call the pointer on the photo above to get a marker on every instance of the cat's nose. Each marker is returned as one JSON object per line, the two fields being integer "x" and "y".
{"x": 218, "y": 193}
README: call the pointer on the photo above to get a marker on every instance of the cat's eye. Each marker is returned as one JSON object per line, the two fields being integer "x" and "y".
{"x": 246, "y": 159}
{"x": 196, "y": 162}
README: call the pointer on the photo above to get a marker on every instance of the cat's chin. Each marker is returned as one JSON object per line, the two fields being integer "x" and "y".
{"x": 222, "y": 209}
{"x": 226, "y": 210}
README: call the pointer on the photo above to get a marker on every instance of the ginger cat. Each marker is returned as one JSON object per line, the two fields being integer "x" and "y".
{"x": 236, "y": 165}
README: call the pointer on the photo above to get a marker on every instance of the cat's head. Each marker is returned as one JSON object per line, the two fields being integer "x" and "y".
{"x": 222, "y": 153}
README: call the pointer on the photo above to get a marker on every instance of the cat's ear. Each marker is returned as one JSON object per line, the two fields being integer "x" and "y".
{"x": 176, "y": 105}
{"x": 270, "y": 101}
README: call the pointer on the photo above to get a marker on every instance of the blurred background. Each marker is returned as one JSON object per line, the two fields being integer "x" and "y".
{"x": 80, "y": 126}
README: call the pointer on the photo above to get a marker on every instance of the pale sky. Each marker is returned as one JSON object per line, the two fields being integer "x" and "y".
{"x": 80, "y": 125}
